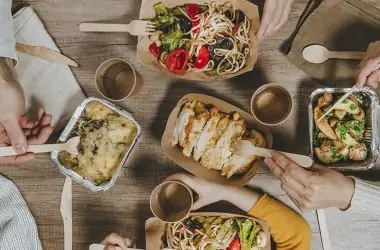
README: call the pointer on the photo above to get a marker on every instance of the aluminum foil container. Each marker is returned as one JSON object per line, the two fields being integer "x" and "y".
{"x": 68, "y": 132}
{"x": 371, "y": 135}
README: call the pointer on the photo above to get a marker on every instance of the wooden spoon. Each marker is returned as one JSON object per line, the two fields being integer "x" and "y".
{"x": 245, "y": 148}
{"x": 69, "y": 146}
{"x": 319, "y": 54}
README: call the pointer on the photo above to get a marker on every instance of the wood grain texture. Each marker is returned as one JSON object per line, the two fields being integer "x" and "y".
{"x": 124, "y": 208}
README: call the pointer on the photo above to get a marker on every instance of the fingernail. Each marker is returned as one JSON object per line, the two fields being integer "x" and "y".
{"x": 20, "y": 149}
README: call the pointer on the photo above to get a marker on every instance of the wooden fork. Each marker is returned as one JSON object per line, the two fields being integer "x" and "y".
{"x": 70, "y": 146}
{"x": 135, "y": 28}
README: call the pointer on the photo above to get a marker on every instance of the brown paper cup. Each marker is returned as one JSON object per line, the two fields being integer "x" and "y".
{"x": 171, "y": 201}
{"x": 116, "y": 79}
{"x": 271, "y": 104}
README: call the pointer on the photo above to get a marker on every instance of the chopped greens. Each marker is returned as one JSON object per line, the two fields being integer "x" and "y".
{"x": 171, "y": 41}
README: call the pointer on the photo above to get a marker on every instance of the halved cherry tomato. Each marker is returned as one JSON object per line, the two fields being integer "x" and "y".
{"x": 203, "y": 58}
{"x": 154, "y": 49}
{"x": 236, "y": 27}
{"x": 192, "y": 10}
{"x": 235, "y": 244}
{"x": 176, "y": 61}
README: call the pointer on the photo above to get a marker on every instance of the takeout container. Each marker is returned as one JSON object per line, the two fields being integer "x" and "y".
{"x": 188, "y": 163}
{"x": 68, "y": 133}
{"x": 155, "y": 229}
{"x": 150, "y": 61}
{"x": 371, "y": 135}
{"x": 171, "y": 201}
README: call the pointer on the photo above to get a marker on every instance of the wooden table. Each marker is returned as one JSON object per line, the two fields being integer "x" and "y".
{"x": 124, "y": 208}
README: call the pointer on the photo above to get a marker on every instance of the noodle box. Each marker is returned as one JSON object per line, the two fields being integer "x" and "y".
{"x": 155, "y": 229}
{"x": 150, "y": 61}
{"x": 188, "y": 163}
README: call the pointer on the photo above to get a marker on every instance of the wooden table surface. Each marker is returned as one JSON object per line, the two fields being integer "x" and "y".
{"x": 125, "y": 207}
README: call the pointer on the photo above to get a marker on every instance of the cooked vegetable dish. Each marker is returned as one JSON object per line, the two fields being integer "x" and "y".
{"x": 209, "y": 136}
{"x": 339, "y": 136}
{"x": 201, "y": 38}
{"x": 105, "y": 137}
{"x": 212, "y": 233}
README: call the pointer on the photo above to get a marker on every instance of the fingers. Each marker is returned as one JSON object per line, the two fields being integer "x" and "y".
{"x": 365, "y": 70}
{"x": 268, "y": 12}
{"x": 184, "y": 178}
{"x": 291, "y": 169}
{"x": 15, "y": 134}
{"x": 17, "y": 159}
{"x": 275, "y": 14}
{"x": 42, "y": 136}
{"x": 373, "y": 79}
{"x": 116, "y": 240}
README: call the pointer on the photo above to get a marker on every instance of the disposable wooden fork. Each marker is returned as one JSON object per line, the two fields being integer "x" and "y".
{"x": 135, "y": 28}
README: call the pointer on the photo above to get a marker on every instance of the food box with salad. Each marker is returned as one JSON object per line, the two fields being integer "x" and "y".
{"x": 208, "y": 231}
{"x": 200, "y": 136}
{"x": 200, "y": 40}
{"x": 347, "y": 138}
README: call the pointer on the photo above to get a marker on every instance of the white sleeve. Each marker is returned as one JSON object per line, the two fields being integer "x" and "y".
{"x": 7, "y": 39}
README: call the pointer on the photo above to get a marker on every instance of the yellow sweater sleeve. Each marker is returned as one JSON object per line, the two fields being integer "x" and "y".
{"x": 288, "y": 229}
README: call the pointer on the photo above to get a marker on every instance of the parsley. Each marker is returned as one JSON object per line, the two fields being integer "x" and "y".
{"x": 342, "y": 130}
{"x": 345, "y": 101}
{"x": 353, "y": 106}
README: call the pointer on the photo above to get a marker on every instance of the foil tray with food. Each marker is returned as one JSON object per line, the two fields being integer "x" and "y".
{"x": 200, "y": 40}
{"x": 201, "y": 134}
{"x": 107, "y": 136}
{"x": 208, "y": 231}
{"x": 347, "y": 138}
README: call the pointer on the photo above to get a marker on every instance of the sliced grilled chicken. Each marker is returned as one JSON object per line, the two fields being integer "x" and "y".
{"x": 194, "y": 128}
{"x": 237, "y": 164}
{"x": 207, "y": 134}
{"x": 178, "y": 135}
{"x": 221, "y": 128}
{"x": 224, "y": 146}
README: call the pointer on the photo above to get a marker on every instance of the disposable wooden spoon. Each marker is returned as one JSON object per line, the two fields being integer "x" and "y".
{"x": 69, "y": 146}
{"x": 246, "y": 148}
{"x": 319, "y": 54}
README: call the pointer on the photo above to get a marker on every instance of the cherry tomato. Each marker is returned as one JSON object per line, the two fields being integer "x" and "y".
{"x": 154, "y": 49}
{"x": 176, "y": 61}
{"x": 192, "y": 10}
{"x": 235, "y": 244}
{"x": 203, "y": 58}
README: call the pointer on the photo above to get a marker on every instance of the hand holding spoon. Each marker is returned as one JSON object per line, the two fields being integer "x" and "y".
{"x": 69, "y": 146}
{"x": 319, "y": 54}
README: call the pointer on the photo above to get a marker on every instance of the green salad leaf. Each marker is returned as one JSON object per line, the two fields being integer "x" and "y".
{"x": 171, "y": 40}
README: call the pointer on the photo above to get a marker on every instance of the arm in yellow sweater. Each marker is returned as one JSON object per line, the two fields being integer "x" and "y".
{"x": 288, "y": 229}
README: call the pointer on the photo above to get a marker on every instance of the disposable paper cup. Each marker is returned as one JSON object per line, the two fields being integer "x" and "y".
{"x": 271, "y": 104}
{"x": 171, "y": 201}
{"x": 116, "y": 79}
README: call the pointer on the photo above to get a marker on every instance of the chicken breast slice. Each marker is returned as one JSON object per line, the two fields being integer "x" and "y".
{"x": 220, "y": 130}
{"x": 224, "y": 146}
{"x": 178, "y": 135}
{"x": 208, "y": 132}
{"x": 194, "y": 128}
{"x": 237, "y": 164}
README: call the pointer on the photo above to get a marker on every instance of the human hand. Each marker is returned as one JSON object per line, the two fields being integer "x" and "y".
{"x": 12, "y": 105}
{"x": 368, "y": 71}
{"x": 114, "y": 240}
{"x": 208, "y": 192}
{"x": 314, "y": 188}
{"x": 36, "y": 132}
{"x": 275, "y": 14}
